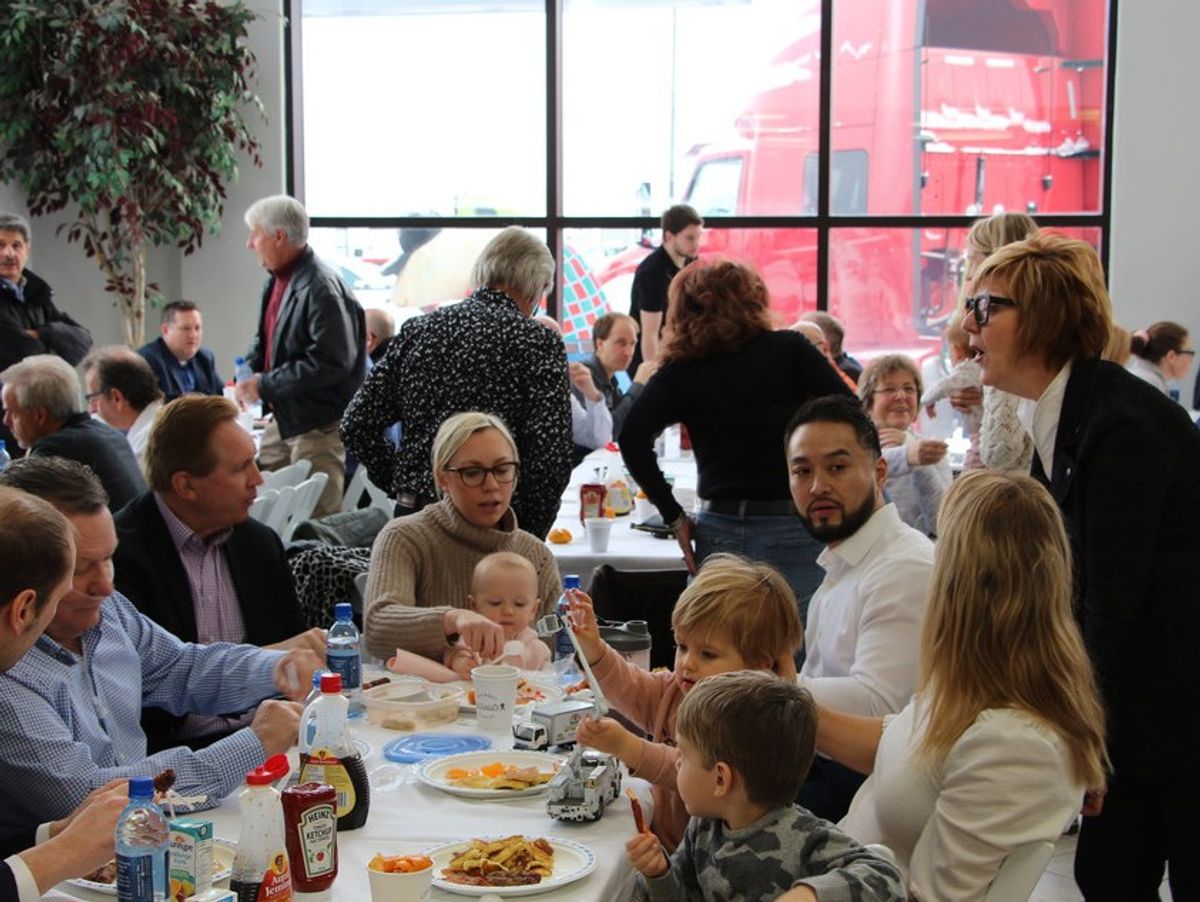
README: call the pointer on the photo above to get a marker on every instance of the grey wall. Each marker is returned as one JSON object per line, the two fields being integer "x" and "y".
{"x": 1154, "y": 190}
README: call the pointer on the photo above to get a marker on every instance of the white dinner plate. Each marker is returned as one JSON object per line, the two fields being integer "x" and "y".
{"x": 572, "y": 861}
{"x": 543, "y": 682}
{"x": 433, "y": 772}
{"x": 223, "y": 854}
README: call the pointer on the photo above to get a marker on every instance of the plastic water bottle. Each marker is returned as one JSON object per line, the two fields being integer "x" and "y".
{"x": 312, "y": 697}
{"x": 142, "y": 843}
{"x": 5, "y": 457}
{"x": 343, "y": 655}
{"x": 563, "y": 647}
{"x": 241, "y": 370}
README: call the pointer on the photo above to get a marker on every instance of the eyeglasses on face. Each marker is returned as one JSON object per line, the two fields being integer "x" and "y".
{"x": 94, "y": 395}
{"x": 909, "y": 391}
{"x": 473, "y": 477}
{"x": 981, "y": 305}
{"x": 1190, "y": 352}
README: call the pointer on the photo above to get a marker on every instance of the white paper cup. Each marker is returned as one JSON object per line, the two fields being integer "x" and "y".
{"x": 495, "y": 696}
{"x": 414, "y": 886}
{"x": 598, "y": 531}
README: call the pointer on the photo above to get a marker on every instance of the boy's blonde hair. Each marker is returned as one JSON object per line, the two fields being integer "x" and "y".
{"x": 501, "y": 560}
{"x": 761, "y": 725}
{"x": 749, "y": 604}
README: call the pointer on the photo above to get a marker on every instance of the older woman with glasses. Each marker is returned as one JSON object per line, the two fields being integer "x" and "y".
{"x": 918, "y": 471}
{"x": 1123, "y": 463}
{"x": 421, "y": 565}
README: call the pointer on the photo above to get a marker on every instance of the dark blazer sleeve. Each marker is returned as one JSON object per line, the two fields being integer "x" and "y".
{"x": 208, "y": 380}
{"x": 265, "y": 588}
{"x": 148, "y": 571}
{"x": 8, "y": 883}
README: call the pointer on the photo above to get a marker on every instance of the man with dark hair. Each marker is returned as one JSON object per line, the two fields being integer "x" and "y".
{"x": 864, "y": 622}
{"x": 681, "y": 228}
{"x": 70, "y": 708}
{"x": 309, "y": 355}
{"x": 122, "y": 391}
{"x": 192, "y": 560}
{"x": 180, "y": 364}
{"x": 43, "y": 407}
{"x": 37, "y": 556}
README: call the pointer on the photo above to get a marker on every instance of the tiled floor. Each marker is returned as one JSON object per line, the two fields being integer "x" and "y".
{"x": 1058, "y": 884}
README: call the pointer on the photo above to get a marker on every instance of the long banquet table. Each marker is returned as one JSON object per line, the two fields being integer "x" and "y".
{"x": 408, "y": 817}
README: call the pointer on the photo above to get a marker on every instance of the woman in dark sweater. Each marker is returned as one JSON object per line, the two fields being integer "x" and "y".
{"x": 734, "y": 383}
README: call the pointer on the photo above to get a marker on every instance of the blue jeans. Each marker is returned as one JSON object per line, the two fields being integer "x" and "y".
{"x": 782, "y": 542}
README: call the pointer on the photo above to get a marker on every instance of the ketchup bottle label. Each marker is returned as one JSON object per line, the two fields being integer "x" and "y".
{"x": 318, "y": 834}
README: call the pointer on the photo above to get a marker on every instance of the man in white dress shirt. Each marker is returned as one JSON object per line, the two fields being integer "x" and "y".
{"x": 864, "y": 622}
{"x": 123, "y": 392}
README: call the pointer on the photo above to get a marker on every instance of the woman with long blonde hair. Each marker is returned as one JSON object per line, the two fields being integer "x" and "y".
{"x": 1006, "y": 731}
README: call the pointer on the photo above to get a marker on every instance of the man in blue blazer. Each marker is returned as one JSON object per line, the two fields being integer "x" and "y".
{"x": 180, "y": 365}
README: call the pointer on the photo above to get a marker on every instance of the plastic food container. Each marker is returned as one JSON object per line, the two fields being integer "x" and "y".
{"x": 412, "y": 704}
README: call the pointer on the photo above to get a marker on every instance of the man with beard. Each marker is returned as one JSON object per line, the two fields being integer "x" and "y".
{"x": 864, "y": 622}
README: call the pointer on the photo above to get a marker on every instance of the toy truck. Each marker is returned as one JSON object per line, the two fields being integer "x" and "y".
{"x": 551, "y": 723}
{"x": 583, "y": 786}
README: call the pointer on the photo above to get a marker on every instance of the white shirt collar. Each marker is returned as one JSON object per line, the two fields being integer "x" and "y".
{"x": 850, "y": 552}
{"x": 1040, "y": 418}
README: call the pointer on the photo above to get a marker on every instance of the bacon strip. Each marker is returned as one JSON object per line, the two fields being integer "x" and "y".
{"x": 639, "y": 819}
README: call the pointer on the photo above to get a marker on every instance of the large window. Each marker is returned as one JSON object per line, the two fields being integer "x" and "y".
{"x": 422, "y": 126}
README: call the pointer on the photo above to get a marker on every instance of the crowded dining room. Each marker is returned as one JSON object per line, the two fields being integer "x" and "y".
{"x": 441, "y": 459}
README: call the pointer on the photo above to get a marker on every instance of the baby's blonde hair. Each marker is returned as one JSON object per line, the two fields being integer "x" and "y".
{"x": 501, "y": 560}
{"x": 748, "y": 603}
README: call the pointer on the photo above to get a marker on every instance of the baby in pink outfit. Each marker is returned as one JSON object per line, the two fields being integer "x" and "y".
{"x": 504, "y": 589}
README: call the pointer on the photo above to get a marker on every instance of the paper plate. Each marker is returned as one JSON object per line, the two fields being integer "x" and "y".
{"x": 572, "y": 861}
{"x": 419, "y": 746}
{"x": 223, "y": 854}
{"x": 433, "y": 772}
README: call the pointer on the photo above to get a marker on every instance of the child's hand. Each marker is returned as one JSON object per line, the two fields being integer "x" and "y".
{"x": 646, "y": 855}
{"x": 798, "y": 894}
{"x": 583, "y": 625}
{"x": 610, "y": 737}
{"x": 931, "y": 411}
{"x": 890, "y": 437}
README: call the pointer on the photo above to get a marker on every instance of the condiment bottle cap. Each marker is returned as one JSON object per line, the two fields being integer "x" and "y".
{"x": 260, "y": 776}
{"x": 331, "y": 682}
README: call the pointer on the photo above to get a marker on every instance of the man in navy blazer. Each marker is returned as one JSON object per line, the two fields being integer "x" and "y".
{"x": 180, "y": 365}
{"x": 192, "y": 560}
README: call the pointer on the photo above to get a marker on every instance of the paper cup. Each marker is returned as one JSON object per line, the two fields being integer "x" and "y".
{"x": 495, "y": 696}
{"x": 598, "y": 531}
{"x": 414, "y": 886}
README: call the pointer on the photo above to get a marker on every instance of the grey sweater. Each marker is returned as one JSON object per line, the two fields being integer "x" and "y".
{"x": 784, "y": 848}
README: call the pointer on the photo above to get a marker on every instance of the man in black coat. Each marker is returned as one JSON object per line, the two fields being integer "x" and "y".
{"x": 310, "y": 353}
{"x": 180, "y": 364}
{"x": 43, "y": 406}
{"x": 191, "y": 559}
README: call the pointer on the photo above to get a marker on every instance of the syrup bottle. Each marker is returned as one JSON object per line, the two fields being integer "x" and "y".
{"x": 261, "y": 870}
{"x": 328, "y": 756}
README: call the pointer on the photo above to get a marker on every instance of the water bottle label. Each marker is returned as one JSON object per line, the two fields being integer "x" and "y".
{"x": 348, "y": 665}
{"x": 135, "y": 877}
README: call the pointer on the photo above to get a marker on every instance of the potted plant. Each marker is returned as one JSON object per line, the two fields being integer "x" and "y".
{"x": 130, "y": 112}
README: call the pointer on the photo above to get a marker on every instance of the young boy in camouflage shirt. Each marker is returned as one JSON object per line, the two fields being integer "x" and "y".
{"x": 746, "y": 740}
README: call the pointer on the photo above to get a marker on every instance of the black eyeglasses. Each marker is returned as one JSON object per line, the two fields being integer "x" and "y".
{"x": 473, "y": 477}
{"x": 94, "y": 395}
{"x": 1190, "y": 352}
{"x": 980, "y": 306}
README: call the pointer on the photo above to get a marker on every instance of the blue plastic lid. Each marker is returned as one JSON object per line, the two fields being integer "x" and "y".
{"x": 343, "y": 610}
{"x": 141, "y": 788}
{"x": 419, "y": 746}
{"x": 571, "y": 581}
{"x": 239, "y": 360}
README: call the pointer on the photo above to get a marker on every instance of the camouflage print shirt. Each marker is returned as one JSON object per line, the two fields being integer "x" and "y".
{"x": 784, "y": 848}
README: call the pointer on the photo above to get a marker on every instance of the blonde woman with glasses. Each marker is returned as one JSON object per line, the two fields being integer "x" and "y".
{"x": 1006, "y": 731}
{"x": 421, "y": 564}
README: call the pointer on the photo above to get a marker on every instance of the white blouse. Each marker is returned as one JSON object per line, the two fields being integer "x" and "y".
{"x": 1006, "y": 782}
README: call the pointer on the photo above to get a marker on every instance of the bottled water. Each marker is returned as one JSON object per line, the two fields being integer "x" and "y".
{"x": 5, "y": 457}
{"x": 563, "y": 647}
{"x": 241, "y": 369}
{"x": 343, "y": 655}
{"x": 142, "y": 843}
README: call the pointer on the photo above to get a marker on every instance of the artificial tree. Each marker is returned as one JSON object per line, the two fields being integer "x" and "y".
{"x": 130, "y": 112}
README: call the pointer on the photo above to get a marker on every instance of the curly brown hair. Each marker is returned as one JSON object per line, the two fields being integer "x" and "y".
{"x": 715, "y": 307}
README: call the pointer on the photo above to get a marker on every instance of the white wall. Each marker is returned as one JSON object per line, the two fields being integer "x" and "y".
{"x": 1155, "y": 191}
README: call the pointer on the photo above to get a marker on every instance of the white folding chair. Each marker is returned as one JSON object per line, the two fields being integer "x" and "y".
{"x": 1019, "y": 874}
{"x": 360, "y": 483}
{"x": 307, "y": 494}
{"x": 261, "y": 508}
{"x": 277, "y": 516}
{"x": 292, "y": 474}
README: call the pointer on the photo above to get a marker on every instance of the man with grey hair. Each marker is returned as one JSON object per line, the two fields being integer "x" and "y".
{"x": 122, "y": 391}
{"x": 309, "y": 354}
{"x": 484, "y": 353}
{"x": 43, "y": 408}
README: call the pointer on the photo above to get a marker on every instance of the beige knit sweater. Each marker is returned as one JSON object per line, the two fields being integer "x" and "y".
{"x": 421, "y": 567}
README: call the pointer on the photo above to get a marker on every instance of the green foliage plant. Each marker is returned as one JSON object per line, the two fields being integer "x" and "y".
{"x": 130, "y": 113}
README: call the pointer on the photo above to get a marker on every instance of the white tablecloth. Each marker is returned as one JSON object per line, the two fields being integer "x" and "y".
{"x": 408, "y": 817}
{"x": 628, "y": 549}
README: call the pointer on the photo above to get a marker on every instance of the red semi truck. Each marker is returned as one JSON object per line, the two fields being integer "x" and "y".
{"x": 940, "y": 107}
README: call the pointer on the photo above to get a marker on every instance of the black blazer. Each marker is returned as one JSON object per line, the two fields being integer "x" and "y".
{"x": 318, "y": 350}
{"x": 150, "y": 573}
{"x": 1126, "y": 475}
{"x": 102, "y": 448}
{"x": 166, "y": 370}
